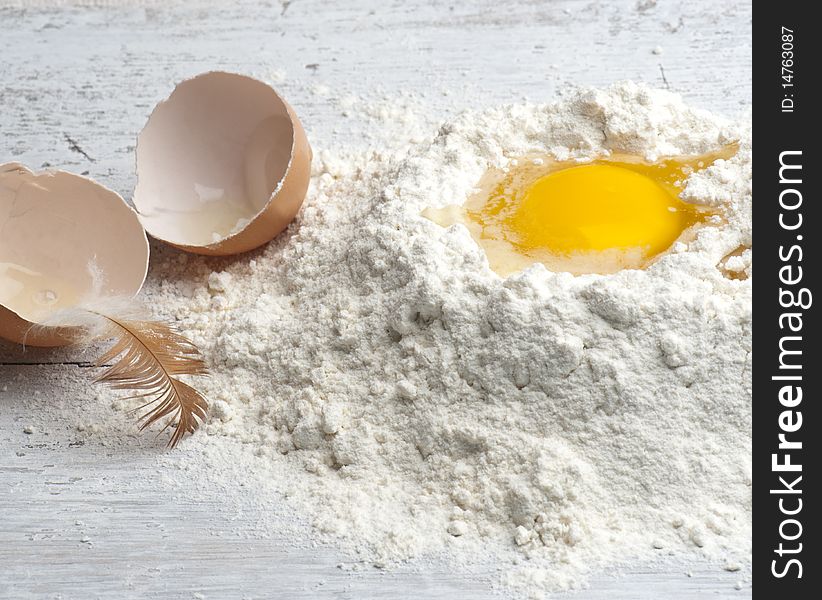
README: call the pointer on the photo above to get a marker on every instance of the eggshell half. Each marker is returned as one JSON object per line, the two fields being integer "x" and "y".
{"x": 223, "y": 165}
{"x": 53, "y": 225}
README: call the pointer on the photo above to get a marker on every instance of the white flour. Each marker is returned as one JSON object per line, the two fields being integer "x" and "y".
{"x": 409, "y": 401}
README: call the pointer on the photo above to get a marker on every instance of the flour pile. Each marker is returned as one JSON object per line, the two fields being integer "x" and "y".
{"x": 410, "y": 401}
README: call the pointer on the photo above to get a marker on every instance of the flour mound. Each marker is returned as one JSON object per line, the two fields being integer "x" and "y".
{"x": 411, "y": 402}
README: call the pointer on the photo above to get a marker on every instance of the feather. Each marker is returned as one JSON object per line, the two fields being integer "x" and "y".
{"x": 146, "y": 357}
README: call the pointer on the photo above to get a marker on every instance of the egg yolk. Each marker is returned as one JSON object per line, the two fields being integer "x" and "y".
{"x": 598, "y": 217}
{"x": 594, "y": 207}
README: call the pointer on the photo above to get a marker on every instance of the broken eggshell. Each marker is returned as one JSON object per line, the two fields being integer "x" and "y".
{"x": 63, "y": 238}
{"x": 223, "y": 165}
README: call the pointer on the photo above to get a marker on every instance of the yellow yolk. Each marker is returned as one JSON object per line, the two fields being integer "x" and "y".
{"x": 598, "y": 217}
{"x": 596, "y": 207}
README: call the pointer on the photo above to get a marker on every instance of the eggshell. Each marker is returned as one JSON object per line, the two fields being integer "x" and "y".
{"x": 223, "y": 165}
{"x": 53, "y": 225}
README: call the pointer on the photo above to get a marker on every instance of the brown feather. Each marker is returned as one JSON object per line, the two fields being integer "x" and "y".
{"x": 146, "y": 357}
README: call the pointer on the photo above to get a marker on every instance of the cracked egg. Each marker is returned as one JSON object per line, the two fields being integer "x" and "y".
{"x": 223, "y": 165}
{"x": 612, "y": 213}
{"x": 63, "y": 237}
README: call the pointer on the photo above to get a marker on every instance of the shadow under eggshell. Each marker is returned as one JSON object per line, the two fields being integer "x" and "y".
{"x": 223, "y": 165}
{"x": 63, "y": 237}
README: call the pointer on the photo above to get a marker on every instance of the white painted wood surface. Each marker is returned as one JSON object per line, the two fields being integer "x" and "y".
{"x": 96, "y": 516}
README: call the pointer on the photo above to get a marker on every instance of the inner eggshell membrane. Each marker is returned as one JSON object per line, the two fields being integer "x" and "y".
{"x": 63, "y": 240}
{"x": 211, "y": 157}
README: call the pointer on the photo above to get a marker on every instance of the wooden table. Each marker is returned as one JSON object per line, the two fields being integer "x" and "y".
{"x": 92, "y": 510}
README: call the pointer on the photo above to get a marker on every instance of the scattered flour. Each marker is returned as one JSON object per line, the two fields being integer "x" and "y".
{"x": 411, "y": 402}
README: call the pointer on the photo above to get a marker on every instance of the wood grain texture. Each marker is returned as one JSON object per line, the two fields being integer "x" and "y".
{"x": 78, "y": 80}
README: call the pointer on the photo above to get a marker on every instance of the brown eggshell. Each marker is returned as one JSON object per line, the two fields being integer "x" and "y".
{"x": 223, "y": 165}
{"x": 53, "y": 224}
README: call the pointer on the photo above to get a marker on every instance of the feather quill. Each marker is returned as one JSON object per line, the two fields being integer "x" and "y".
{"x": 147, "y": 357}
